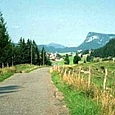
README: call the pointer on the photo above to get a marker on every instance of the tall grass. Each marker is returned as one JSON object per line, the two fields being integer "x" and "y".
{"x": 9, "y": 71}
{"x": 25, "y": 68}
{"x": 77, "y": 103}
{"x": 91, "y": 83}
{"x": 6, "y": 72}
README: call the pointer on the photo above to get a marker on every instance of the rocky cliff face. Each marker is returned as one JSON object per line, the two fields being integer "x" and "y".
{"x": 95, "y": 40}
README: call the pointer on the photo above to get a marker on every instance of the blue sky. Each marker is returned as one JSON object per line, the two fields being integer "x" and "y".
{"x": 66, "y": 22}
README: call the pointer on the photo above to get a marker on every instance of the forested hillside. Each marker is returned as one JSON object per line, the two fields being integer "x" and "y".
{"x": 106, "y": 51}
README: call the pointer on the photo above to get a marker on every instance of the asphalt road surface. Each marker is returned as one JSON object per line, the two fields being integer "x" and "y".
{"x": 30, "y": 94}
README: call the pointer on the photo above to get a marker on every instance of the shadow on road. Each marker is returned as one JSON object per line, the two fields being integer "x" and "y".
{"x": 9, "y": 89}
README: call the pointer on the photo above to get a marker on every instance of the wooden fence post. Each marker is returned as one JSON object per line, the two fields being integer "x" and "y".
{"x": 89, "y": 78}
{"x": 69, "y": 73}
{"x": 65, "y": 72}
{"x": 79, "y": 75}
{"x": 105, "y": 79}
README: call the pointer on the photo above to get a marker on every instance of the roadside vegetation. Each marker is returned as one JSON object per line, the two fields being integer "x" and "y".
{"x": 8, "y": 71}
{"x": 88, "y": 88}
{"x": 20, "y": 57}
{"x": 76, "y": 102}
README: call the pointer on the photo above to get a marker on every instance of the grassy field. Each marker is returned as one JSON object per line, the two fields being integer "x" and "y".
{"x": 98, "y": 72}
{"x": 83, "y": 98}
{"x": 8, "y": 71}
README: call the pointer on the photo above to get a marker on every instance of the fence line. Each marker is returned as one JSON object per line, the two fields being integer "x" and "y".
{"x": 76, "y": 79}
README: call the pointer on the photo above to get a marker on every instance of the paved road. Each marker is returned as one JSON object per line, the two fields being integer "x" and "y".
{"x": 30, "y": 94}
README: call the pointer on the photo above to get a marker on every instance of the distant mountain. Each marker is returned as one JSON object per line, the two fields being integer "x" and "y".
{"x": 49, "y": 48}
{"x": 55, "y": 45}
{"x": 95, "y": 40}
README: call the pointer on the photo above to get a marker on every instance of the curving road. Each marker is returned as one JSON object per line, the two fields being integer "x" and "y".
{"x": 30, "y": 94}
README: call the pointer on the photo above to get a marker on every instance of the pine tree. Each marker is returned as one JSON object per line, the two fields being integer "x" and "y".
{"x": 48, "y": 62}
{"x": 76, "y": 59}
{"x": 43, "y": 56}
{"x": 66, "y": 60}
{"x": 29, "y": 46}
{"x": 89, "y": 58}
{"x": 27, "y": 52}
{"x": 5, "y": 43}
{"x": 36, "y": 54}
{"x": 44, "y": 59}
{"x": 22, "y": 51}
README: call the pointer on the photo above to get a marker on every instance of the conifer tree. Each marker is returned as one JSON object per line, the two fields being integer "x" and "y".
{"x": 27, "y": 52}
{"x": 76, "y": 59}
{"x": 22, "y": 51}
{"x": 44, "y": 59}
{"x": 5, "y": 43}
{"x": 43, "y": 56}
{"x": 36, "y": 55}
{"x": 29, "y": 46}
{"x": 66, "y": 60}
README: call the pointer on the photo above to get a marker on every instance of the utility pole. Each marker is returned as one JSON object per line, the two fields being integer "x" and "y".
{"x": 31, "y": 54}
{"x": 43, "y": 56}
{"x": 12, "y": 55}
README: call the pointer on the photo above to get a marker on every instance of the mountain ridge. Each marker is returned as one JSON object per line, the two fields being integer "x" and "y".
{"x": 93, "y": 40}
{"x": 59, "y": 50}
{"x": 56, "y": 45}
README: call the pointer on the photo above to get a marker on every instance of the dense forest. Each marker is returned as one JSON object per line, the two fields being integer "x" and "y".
{"x": 107, "y": 51}
{"x": 23, "y": 52}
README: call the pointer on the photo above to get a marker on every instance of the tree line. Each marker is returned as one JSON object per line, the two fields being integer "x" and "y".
{"x": 21, "y": 53}
{"x": 76, "y": 59}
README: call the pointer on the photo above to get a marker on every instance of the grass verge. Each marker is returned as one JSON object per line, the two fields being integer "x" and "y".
{"x": 9, "y": 71}
{"x": 25, "y": 68}
{"x": 77, "y": 103}
{"x": 5, "y": 76}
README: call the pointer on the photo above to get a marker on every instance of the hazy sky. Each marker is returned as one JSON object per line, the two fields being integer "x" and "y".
{"x": 66, "y": 22}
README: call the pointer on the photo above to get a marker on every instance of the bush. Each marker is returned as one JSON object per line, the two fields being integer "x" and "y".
{"x": 76, "y": 59}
